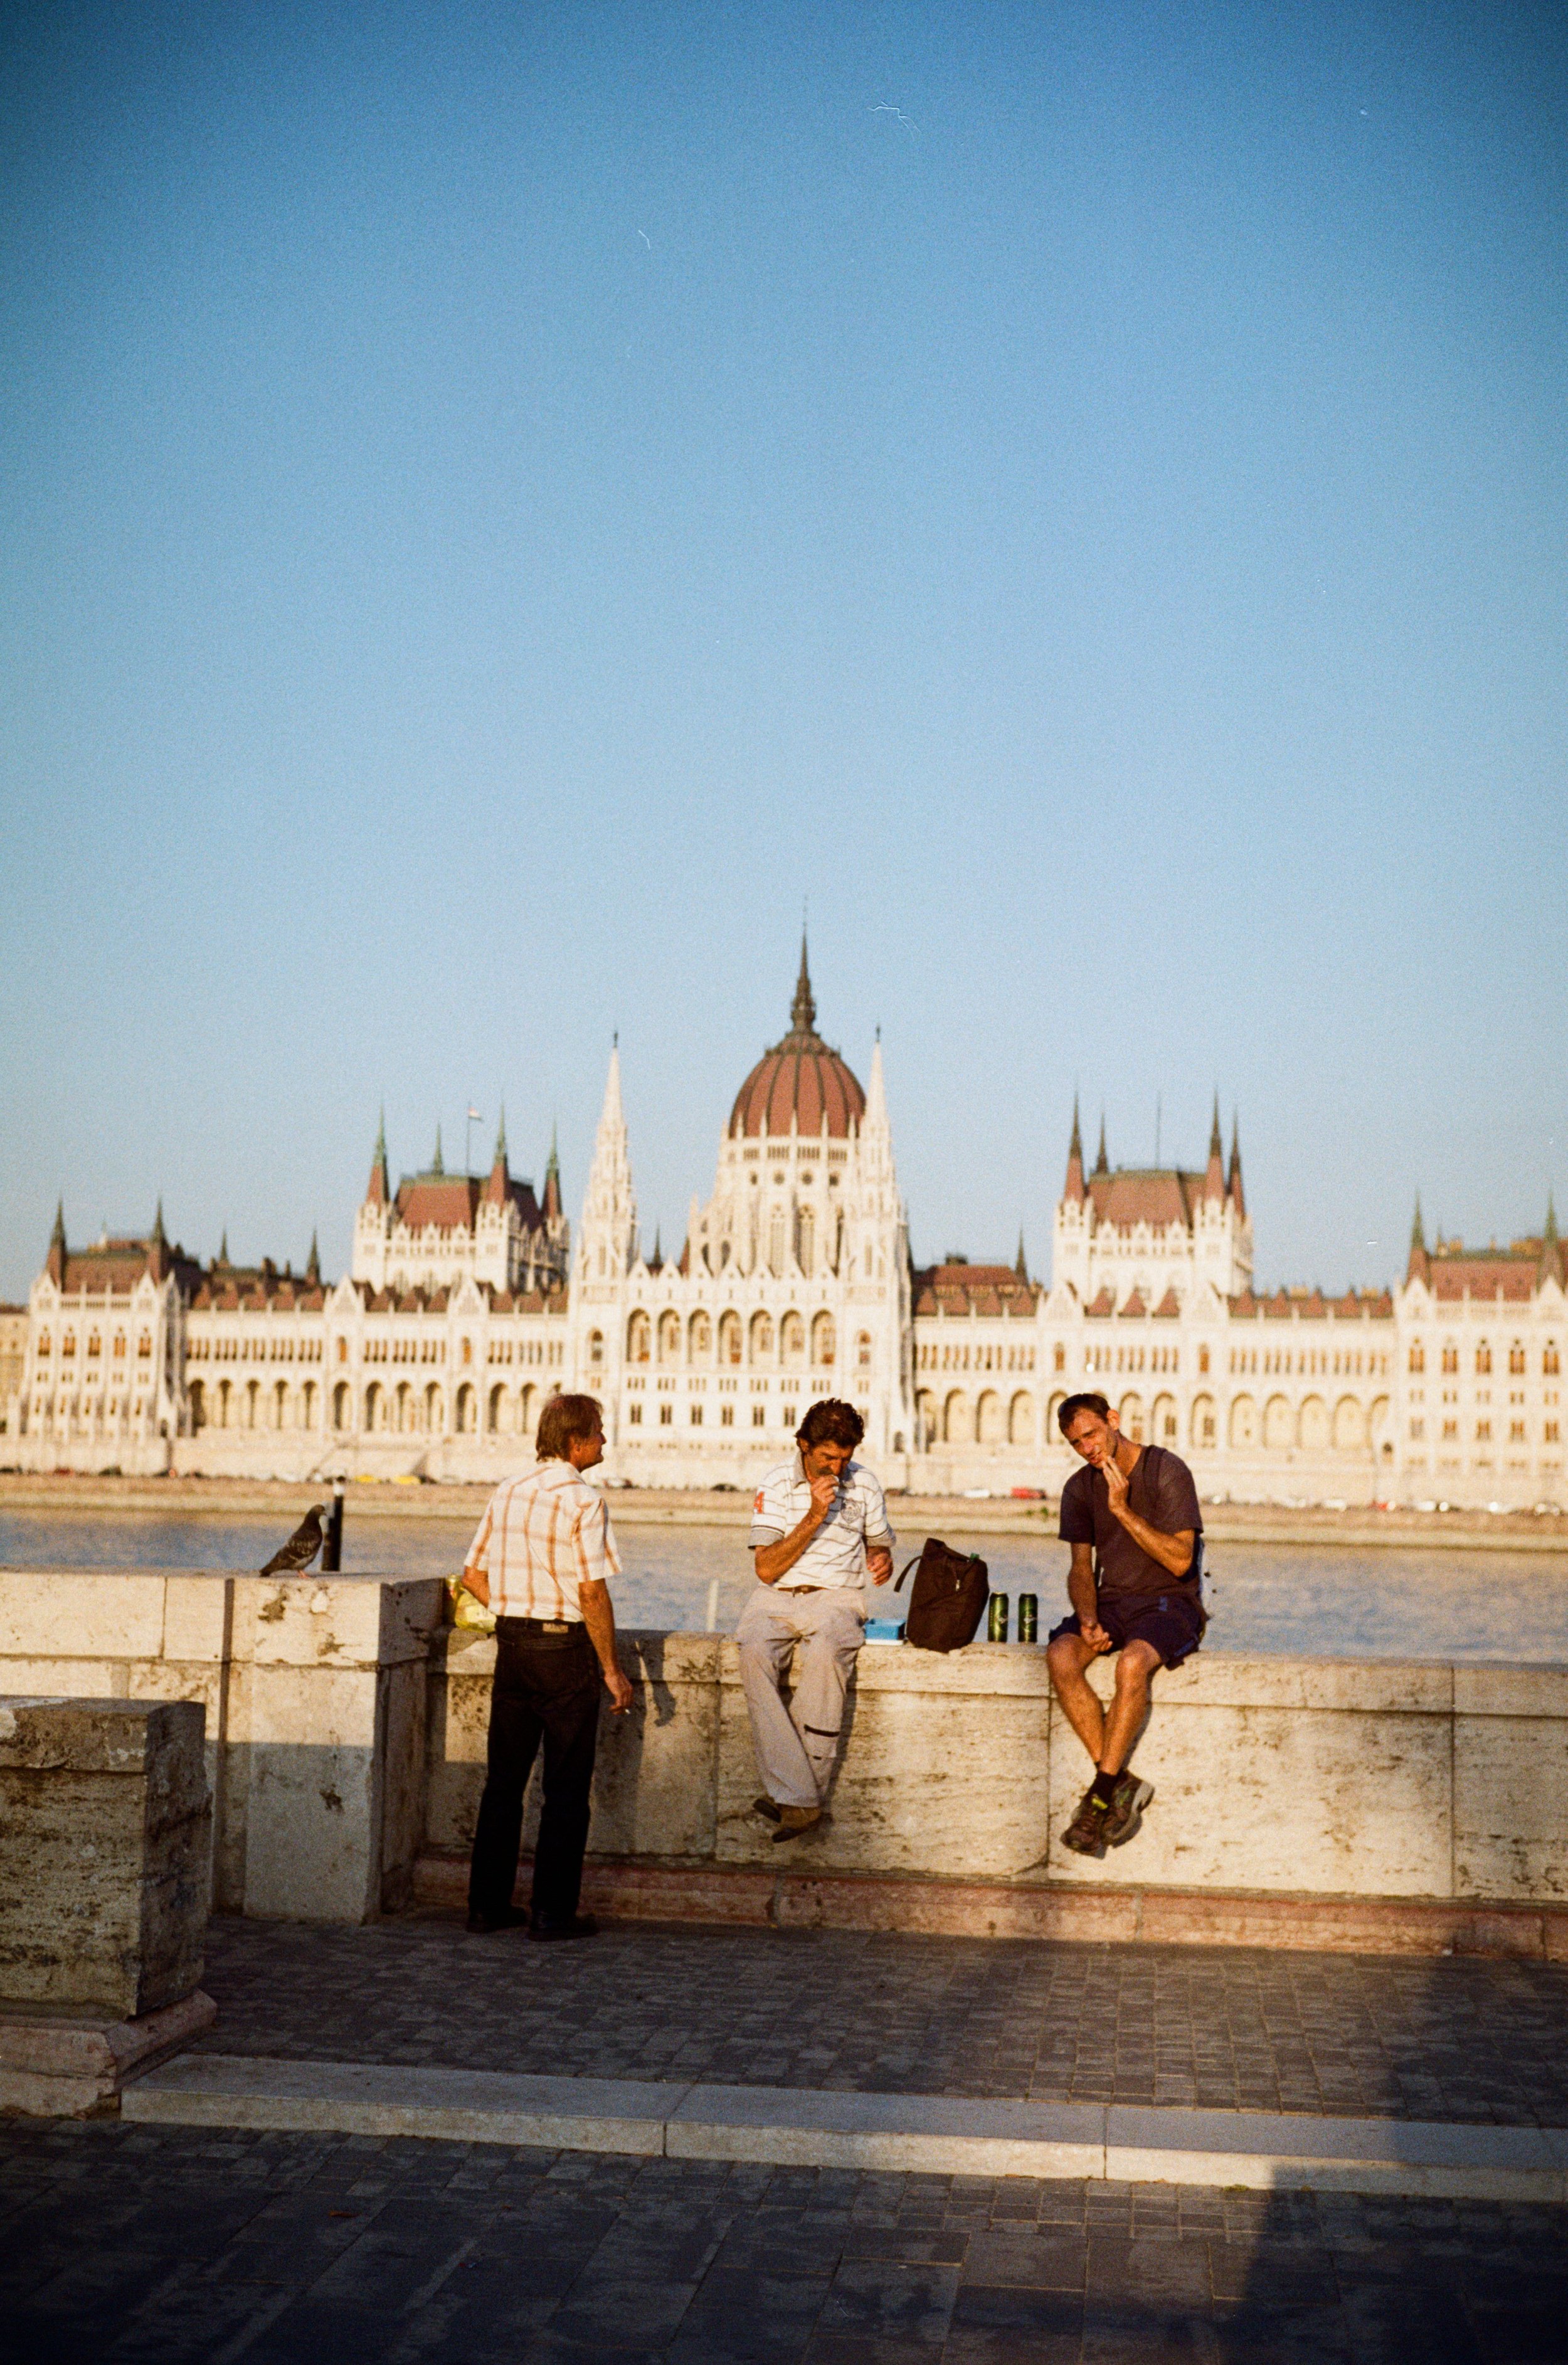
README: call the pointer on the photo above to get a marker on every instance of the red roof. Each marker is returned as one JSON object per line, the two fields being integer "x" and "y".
{"x": 984, "y": 1289}
{"x": 1156, "y": 1195}
{"x": 800, "y": 1079}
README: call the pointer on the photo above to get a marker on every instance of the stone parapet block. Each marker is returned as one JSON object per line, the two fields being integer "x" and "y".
{"x": 105, "y": 1821}
{"x": 67, "y": 2065}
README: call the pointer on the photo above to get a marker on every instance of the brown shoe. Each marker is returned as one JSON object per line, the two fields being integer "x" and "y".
{"x": 1085, "y": 1835}
{"x": 793, "y": 1821}
{"x": 1128, "y": 1800}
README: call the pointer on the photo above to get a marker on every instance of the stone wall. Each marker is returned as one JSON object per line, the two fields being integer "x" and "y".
{"x": 315, "y": 1694}
{"x": 1296, "y": 1776}
{"x": 342, "y": 1741}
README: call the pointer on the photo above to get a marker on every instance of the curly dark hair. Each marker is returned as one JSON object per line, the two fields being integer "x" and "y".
{"x": 833, "y": 1419}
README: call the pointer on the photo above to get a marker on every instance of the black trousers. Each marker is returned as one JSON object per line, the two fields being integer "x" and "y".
{"x": 546, "y": 1687}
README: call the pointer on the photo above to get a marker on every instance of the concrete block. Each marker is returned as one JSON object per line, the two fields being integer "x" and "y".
{"x": 1358, "y": 1687}
{"x": 933, "y": 2134}
{"x": 1274, "y": 1798}
{"x": 655, "y": 1773}
{"x": 64, "y": 2065}
{"x": 336, "y": 1621}
{"x": 105, "y": 1826}
{"x": 1511, "y": 1691}
{"x": 1510, "y": 1774}
{"x": 56, "y": 1614}
{"x": 197, "y": 1611}
{"x": 218, "y": 2090}
{"x": 1280, "y": 2152}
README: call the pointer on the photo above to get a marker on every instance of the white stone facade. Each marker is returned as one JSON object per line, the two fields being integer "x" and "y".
{"x": 468, "y": 1302}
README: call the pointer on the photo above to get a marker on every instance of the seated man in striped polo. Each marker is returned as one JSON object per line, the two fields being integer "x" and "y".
{"x": 819, "y": 1533}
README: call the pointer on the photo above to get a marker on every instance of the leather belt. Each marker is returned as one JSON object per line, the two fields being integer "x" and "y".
{"x": 557, "y": 1626}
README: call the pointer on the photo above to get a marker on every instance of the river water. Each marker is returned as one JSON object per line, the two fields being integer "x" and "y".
{"x": 1329, "y": 1601}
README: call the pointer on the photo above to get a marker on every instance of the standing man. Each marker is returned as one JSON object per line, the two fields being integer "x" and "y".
{"x": 542, "y": 1558}
{"x": 1133, "y": 1522}
{"x": 819, "y": 1529}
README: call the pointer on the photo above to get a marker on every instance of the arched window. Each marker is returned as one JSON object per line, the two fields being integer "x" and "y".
{"x": 280, "y": 1405}
{"x": 467, "y": 1350}
{"x": 498, "y": 1420}
{"x": 863, "y": 1352}
{"x": 68, "y": 1345}
{"x": 699, "y": 1337}
{"x": 1418, "y": 1357}
{"x": 1517, "y": 1357}
{"x": 95, "y": 1345}
{"x": 596, "y": 1351}
{"x": 1484, "y": 1357}
{"x": 1549, "y": 1363}
{"x": 729, "y": 1337}
{"x": 639, "y": 1337}
{"x": 825, "y": 1342}
{"x": 989, "y": 1418}
{"x": 374, "y": 1406}
{"x": 1451, "y": 1359}
{"x": 761, "y": 1336}
{"x": 792, "y": 1338}
{"x": 199, "y": 1407}
{"x": 1058, "y": 1361}
{"x": 143, "y": 1347}
{"x": 342, "y": 1351}
{"x": 467, "y": 1411}
{"x": 669, "y": 1336}
{"x": 119, "y": 1347}
{"x": 44, "y": 1344}
{"x": 435, "y": 1411}
{"x": 1021, "y": 1420}
{"x": 806, "y": 1238}
{"x": 308, "y": 1404}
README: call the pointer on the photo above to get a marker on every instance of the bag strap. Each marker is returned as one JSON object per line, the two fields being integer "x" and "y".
{"x": 905, "y": 1570}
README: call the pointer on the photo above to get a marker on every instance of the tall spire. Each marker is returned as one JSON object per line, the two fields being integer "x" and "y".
{"x": 607, "y": 1244}
{"x": 158, "y": 1245}
{"x": 1022, "y": 1267}
{"x": 552, "y": 1182}
{"x": 223, "y": 1245}
{"x": 1551, "y": 1248}
{"x": 1418, "y": 1266}
{"x": 1214, "y": 1179}
{"x": 1102, "y": 1163}
{"x": 1234, "y": 1184}
{"x": 495, "y": 1187}
{"x": 877, "y": 1092}
{"x": 313, "y": 1263}
{"x": 438, "y": 1163}
{"x": 55, "y": 1261}
{"x": 1073, "y": 1187}
{"x": 500, "y": 1157}
{"x": 803, "y": 1009}
{"x": 379, "y": 1188}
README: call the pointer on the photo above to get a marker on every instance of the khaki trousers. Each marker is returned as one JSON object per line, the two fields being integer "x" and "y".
{"x": 795, "y": 1745}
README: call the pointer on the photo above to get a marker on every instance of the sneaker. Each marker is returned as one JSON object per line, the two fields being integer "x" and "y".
{"x": 1128, "y": 1800}
{"x": 1085, "y": 1835}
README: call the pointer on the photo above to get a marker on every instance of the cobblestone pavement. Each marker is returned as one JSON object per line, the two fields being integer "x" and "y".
{"x": 1221, "y": 2028}
{"x": 166, "y": 2243}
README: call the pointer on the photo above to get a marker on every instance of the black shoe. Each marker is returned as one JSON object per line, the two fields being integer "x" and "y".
{"x": 482, "y": 1925}
{"x": 767, "y": 1808}
{"x": 1128, "y": 1800}
{"x": 570, "y": 1926}
{"x": 1085, "y": 1835}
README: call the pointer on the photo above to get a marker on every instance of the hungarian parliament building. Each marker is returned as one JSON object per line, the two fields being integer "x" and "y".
{"x": 470, "y": 1299}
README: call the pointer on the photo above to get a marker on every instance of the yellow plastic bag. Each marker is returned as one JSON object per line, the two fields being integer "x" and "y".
{"x": 470, "y": 1617}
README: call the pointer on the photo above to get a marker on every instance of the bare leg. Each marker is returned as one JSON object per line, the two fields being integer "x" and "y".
{"x": 1066, "y": 1658}
{"x": 1129, "y": 1706}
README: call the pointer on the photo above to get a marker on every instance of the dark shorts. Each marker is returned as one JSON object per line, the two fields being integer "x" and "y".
{"x": 1172, "y": 1623}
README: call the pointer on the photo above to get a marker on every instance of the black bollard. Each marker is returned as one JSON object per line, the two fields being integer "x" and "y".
{"x": 332, "y": 1542}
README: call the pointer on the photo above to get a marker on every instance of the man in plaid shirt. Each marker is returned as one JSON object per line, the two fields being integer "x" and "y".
{"x": 542, "y": 1558}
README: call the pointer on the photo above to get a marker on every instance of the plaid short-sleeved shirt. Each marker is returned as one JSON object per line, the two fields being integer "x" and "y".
{"x": 540, "y": 1536}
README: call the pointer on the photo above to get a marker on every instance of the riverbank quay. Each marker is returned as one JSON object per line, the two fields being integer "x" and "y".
{"x": 970, "y": 1515}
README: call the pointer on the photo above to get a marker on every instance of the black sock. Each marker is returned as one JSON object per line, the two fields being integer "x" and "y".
{"x": 1103, "y": 1786}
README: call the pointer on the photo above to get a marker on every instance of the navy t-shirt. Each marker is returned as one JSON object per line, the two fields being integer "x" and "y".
{"x": 1159, "y": 1491}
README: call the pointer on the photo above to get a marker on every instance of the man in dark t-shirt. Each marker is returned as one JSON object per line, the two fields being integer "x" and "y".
{"x": 1132, "y": 1519}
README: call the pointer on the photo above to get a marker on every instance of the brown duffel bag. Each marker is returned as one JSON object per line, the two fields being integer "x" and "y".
{"x": 948, "y": 1600}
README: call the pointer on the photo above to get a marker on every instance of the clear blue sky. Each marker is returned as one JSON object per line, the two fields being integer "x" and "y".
{"x": 499, "y": 504}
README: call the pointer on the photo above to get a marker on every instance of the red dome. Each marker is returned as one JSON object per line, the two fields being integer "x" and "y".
{"x": 800, "y": 1079}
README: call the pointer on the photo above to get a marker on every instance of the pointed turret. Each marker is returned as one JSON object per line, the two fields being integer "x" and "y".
{"x": 379, "y": 1188}
{"x": 607, "y": 1245}
{"x": 158, "y": 1245}
{"x": 313, "y": 1263}
{"x": 1102, "y": 1163}
{"x": 1022, "y": 1267}
{"x": 54, "y": 1263}
{"x": 1551, "y": 1248}
{"x": 657, "y": 1261}
{"x": 223, "y": 1245}
{"x": 1418, "y": 1264}
{"x": 438, "y": 1163}
{"x": 1214, "y": 1177}
{"x": 1233, "y": 1186}
{"x": 496, "y": 1188}
{"x": 1073, "y": 1187}
{"x": 876, "y": 1116}
{"x": 552, "y": 1202}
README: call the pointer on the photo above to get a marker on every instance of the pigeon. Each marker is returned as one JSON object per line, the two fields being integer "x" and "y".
{"x": 302, "y": 1546}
